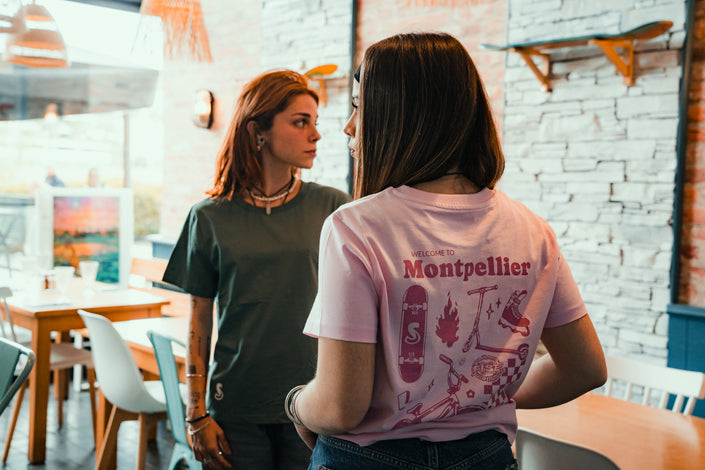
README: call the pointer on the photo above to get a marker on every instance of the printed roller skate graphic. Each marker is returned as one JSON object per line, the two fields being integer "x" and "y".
{"x": 522, "y": 351}
{"x": 511, "y": 318}
{"x": 445, "y": 408}
{"x": 447, "y": 326}
{"x": 413, "y": 333}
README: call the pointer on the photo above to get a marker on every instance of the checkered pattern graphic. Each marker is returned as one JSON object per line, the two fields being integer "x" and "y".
{"x": 510, "y": 373}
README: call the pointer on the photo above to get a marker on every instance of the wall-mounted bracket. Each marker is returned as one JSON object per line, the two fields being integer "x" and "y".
{"x": 318, "y": 75}
{"x": 542, "y": 75}
{"x": 624, "y": 62}
{"x": 625, "y": 66}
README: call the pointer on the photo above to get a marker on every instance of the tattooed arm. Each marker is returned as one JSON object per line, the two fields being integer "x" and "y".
{"x": 207, "y": 440}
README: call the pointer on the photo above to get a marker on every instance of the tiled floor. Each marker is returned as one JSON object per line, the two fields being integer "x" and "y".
{"x": 71, "y": 447}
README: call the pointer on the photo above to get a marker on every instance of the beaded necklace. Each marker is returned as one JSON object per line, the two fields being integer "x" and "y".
{"x": 282, "y": 193}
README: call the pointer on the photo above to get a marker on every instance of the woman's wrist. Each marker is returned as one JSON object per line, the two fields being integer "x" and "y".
{"x": 199, "y": 425}
{"x": 196, "y": 419}
{"x": 290, "y": 404}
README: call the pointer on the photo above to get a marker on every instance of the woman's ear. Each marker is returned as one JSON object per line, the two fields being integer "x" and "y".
{"x": 252, "y": 129}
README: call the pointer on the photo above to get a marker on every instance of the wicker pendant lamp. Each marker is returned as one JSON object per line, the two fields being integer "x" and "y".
{"x": 36, "y": 40}
{"x": 185, "y": 34}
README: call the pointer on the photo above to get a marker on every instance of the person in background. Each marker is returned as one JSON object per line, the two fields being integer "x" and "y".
{"x": 435, "y": 287}
{"x": 51, "y": 178}
{"x": 253, "y": 246}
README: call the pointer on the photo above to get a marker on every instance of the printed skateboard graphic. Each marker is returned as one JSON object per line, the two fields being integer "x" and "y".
{"x": 413, "y": 333}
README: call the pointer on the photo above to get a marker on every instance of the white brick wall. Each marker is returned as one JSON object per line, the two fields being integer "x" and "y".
{"x": 596, "y": 159}
{"x": 302, "y": 34}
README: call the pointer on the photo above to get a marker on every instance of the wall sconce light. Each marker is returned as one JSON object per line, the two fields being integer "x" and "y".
{"x": 203, "y": 109}
{"x": 36, "y": 40}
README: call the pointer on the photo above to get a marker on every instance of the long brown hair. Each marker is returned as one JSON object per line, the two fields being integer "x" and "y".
{"x": 423, "y": 112}
{"x": 239, "y": 164}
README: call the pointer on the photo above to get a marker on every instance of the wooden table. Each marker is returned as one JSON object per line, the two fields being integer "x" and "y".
{"x": 134, "y": 332}
{"x": 634, "y": 436}
{"x": 44, "y": 315}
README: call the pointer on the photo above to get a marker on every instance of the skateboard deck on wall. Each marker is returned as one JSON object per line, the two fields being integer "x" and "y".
{"x": 645, "y": 31}
{"x": 413, "y": 333}
{"x": 610, "y": 44}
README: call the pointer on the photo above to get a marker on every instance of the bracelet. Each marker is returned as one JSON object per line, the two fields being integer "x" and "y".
{"x": 290, "y": 404}
{"x": 188, "y": 376}
{"x": 197, "y": 419}
{"x": 192, "y": 431}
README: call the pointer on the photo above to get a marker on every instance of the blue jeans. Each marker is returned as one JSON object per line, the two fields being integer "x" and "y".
{"x": 488, "y": 450}
{"x": 266, "y": 447}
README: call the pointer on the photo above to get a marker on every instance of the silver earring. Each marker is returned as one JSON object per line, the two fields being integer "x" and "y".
{"x": 260, "y": 143}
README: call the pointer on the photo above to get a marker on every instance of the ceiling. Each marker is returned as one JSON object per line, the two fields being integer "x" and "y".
{"x": 94, "y": 82}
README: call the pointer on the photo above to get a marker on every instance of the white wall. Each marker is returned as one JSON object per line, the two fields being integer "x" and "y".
{"x": 597, "y": 159}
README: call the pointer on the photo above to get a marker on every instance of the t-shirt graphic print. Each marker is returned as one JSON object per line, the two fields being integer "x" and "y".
{"x": 455, "y": 290}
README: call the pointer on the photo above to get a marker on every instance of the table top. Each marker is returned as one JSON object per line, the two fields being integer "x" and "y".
{"x": 134, "y": 332}
{"x": 46, "y": 303}
{"x": 634, "y": 436}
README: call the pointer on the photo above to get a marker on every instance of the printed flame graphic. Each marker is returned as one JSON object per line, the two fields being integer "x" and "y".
{"x": 447, "y": 327}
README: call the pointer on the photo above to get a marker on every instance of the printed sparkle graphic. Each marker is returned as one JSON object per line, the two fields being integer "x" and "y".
{"x": 447, "y": 327}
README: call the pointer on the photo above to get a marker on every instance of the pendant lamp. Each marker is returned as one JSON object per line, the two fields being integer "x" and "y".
{"x": 185, "y": 35}
{"x": 37, "y": 41}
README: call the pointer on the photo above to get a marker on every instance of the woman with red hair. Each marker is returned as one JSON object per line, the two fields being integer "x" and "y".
{"x": 253, "y": 246}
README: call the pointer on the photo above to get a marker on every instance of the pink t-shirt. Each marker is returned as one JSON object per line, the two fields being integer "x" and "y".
{"x": 455, "y": 290}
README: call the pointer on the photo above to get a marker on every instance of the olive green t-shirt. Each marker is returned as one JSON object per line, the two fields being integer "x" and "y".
{"x": 263, "y": 272}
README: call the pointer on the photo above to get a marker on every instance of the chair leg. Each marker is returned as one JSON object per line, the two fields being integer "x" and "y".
{"x": 143, "y": 438}
{"x": 109, "y": 445}
{"x": 60, "y": 396}
{"x": 147, "y": 425}
{"x": 13, "y": 423}
{"x": 90, "y": 373}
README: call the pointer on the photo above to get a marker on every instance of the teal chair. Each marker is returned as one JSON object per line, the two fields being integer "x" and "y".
{"x": 174, "y": 403}
{"x": 10, "y": 378}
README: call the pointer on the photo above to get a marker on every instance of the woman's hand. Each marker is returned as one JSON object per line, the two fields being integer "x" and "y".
{"x": 309, "y": 437}
{"x": 210, "y": 446}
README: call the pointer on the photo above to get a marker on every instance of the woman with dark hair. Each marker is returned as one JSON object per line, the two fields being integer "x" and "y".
{"x": 435, "y": 287}
{"x": 253, "y": 245}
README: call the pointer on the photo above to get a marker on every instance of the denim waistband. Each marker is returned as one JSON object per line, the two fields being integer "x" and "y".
{"x": 484, "y": 450}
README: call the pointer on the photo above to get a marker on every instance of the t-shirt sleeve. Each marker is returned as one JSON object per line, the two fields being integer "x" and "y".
{"x": 347, "y": 302}
{"x": 191, "y": 266}
{"x": 567, "y": 304}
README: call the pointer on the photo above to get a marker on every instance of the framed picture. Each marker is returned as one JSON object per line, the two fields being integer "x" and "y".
{"x": 76, "y": 224}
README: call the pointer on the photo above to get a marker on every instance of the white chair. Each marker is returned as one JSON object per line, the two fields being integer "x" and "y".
{"x": 534, "y": 451}
{"x": 13, "y": 230}
{"x": 121, "y": 382}
{"x": 667, "y": 380}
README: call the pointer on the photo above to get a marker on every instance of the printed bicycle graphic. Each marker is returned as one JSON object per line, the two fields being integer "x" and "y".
{"x": 445, "y": 408}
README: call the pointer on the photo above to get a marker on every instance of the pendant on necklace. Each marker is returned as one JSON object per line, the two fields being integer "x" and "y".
{"x": 267, "y": 200}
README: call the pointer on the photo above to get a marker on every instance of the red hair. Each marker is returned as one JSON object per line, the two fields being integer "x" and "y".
{"x": 238, "y": 163}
